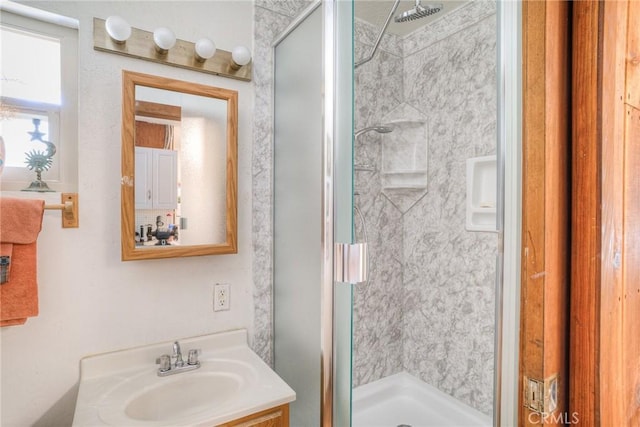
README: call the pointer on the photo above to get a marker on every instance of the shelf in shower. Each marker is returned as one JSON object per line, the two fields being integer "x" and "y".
{"x": 481, "y": 194}
{"x": 400, "y": 123}
{"x": 405, "y": 179}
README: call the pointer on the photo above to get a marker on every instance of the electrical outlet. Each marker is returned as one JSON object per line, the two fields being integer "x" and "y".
{"x": 221, "y": 297}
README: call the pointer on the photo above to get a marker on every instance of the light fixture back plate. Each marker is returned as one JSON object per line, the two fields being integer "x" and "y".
{"x": 141, "y": 46}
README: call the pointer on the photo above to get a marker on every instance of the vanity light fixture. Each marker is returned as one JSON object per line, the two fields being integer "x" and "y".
{"x": 204, "y": 49}
{"x": 162, "y": 46}
{"x": 240, "y": 56}
{"x": 164, "y": 40}
{"x": 118, "y": 29}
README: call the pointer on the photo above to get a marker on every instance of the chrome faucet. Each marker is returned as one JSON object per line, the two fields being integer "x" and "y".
{"x": 177, "y": 354}
{"x": 166, "y": 368}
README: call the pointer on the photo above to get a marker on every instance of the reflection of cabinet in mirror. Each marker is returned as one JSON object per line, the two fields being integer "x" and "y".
{"x": 179, "y": 156}
{"x": 156, "y": 185}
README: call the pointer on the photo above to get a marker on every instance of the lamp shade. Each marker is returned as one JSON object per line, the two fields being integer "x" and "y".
{"x": 117, "y": 28}
{"x": 241, "y": 55}
{"x": 164, "y": 39}
{"x": 205, "y": 49}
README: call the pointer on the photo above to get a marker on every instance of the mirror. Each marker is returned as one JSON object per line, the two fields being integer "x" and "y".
{"x": 179, "y": 175}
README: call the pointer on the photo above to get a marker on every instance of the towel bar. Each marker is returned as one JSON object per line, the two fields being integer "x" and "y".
{"x": 69, "y": 208}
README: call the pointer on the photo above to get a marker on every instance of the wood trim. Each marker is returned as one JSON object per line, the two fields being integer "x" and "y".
{"x": 611, "y": 86}
{"x": 630, "y": 360}
{"x": 605, "y": 288}
{"x": 533, "y": 169}
{"x": 586, "y": 218}
{"x": 158, "y": 111}
{"x": 557, "y": 202}
{"x": 630, "y": 363}
{"x": 232, "y": 172}
{"x": 633, "y": 56}
{"x": 546, "y": 142}
{"x": 273, "y": 417}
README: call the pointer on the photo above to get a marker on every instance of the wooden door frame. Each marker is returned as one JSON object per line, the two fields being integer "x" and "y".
{"x": 586, "y": 214}
{"x": 545, "y": 205}
{"x": 605, "y": 284}
{"x": 599, "y": 338}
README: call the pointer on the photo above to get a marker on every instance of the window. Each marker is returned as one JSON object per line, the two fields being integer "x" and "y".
{"x": 38, "y": 88}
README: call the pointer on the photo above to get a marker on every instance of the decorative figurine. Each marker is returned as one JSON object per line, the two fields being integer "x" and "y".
{"x": 38, "y": 160}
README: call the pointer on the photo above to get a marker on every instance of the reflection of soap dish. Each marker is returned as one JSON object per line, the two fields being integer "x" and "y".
{"x": 486, "y": 205}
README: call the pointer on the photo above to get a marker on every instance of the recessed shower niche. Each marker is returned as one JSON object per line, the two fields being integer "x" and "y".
{"x": 404, "y": 157}
{"x": 481, "y": 193}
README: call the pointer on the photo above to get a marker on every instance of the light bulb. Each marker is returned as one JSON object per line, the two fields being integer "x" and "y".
{"x": 164, "y": 39}
{"x": 240, "y": 56}
{"x": 205, "y": 49}
{"x": 118, "y": 29}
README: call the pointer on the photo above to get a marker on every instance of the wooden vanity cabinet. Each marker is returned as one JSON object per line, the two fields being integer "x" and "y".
{"x": 273, "y": 417}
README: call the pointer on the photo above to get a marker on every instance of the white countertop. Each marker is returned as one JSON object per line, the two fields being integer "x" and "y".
{"x": 101, "y": 401}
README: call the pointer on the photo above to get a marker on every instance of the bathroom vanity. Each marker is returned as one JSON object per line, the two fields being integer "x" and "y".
{"x": 220, "y": 383}
{"x": 274, "y": 417}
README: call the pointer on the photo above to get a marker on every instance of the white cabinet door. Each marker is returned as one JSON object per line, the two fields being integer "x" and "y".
{"x": 143, "y": 178}
{"x": 165, "y": 179}
{"x": 156, "y": 179}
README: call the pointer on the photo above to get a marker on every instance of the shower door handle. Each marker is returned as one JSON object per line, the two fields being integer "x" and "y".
{"x": 350, "y": 263}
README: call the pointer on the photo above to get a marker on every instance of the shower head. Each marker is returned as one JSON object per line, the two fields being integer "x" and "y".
{"x": 379, "y": 129}
{"x": 418, "y": 12}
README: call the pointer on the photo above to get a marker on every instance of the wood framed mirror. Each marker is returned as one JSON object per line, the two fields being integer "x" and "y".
{"x": 179, "y": 168}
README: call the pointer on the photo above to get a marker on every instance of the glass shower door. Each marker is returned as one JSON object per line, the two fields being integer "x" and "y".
{"x": 343, "y": 209}
{"x": 313, "y": 188}
{"x": 298, "y": 214}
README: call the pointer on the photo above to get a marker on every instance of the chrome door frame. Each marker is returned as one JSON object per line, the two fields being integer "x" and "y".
{"x": 509, "y": 220}
{"x": 328, "y": 139}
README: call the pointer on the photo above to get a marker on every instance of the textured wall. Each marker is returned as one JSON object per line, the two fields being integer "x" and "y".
{"x": 445, "y": 299}
{"x": 90, "y": 301}
{"x": 449, "y": 273}
{"x": 378, "y": 303}
{"x": 271, "y": 18}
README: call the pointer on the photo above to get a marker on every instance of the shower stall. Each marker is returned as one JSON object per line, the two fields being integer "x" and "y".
{"x": 390, "y": 129}
{"x": 423, "y": 324}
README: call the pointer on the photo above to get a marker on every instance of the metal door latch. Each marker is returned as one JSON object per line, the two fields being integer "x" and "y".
{"x": 541, "y": 396}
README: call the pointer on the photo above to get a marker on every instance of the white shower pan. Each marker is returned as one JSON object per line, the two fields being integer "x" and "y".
{"x": 403, "y": 400}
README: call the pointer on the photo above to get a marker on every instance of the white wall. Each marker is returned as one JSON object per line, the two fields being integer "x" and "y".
{"x": 91, "y": 301}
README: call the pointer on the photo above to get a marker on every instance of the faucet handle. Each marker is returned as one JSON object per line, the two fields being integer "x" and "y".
{"x": 193, "y": 356}
{"x": 165, "y": 363}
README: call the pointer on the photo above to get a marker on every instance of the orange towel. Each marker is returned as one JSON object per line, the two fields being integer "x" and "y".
{"x": 20, "y": 224}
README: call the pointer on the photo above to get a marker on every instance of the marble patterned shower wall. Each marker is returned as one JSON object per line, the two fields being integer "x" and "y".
{"x": 449, "y": 273}
{"x": 429, "y": 306}
{"x": 377, "y": 315}
{"x": 271, "y": 18}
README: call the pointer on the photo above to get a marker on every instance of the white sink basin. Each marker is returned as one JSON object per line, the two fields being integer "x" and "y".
{"x": 183, "y": 397}
{"x": 146, "y": 397}
{"x": 231, "y": 382}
